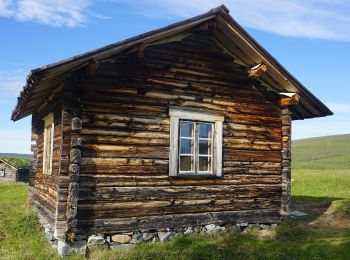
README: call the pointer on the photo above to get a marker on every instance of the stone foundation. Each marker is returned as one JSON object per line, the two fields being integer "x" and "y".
{"x": 83, "y": 243}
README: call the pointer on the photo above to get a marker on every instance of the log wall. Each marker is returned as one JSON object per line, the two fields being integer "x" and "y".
{"x": 124, "y": 181}
{"x": 8, "y": 173}
{"x": 43, "y": 188}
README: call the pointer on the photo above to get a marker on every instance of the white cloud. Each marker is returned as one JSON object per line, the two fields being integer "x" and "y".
{"x": 57, "y": 13}
{"x": 322, "y": 19}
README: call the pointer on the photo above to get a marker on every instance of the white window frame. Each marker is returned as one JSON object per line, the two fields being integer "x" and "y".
{"x": 196, "y": 115}
{"x": 2, "y": 172}
{"x": 49, "y": 121}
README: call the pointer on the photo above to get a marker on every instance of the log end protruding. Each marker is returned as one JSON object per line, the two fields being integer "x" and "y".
{"x": 257, "y": 70}
{"x": 91, "y": 68}
{"x": 288, "y": 99}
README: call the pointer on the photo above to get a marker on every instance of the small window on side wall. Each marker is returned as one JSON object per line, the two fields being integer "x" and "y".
{"x": 195, "y": 142}
{"x": 48, "y": 144}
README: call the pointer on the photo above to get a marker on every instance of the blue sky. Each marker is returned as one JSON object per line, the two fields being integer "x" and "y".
{"x": 310, "y": 38}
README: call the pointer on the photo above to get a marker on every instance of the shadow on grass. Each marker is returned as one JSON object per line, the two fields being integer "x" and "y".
{"x": 313, "y": 206}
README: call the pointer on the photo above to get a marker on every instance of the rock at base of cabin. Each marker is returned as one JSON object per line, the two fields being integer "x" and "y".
{"x": 165, "y": 236}
{"x": 188, "y": 231}
{"x": 147, "y": 236}
{"x": 50, "y": 237}
{"x": 213, "y": 228}
{"x": 109, "y": 239}
{"x": 243, "y": 225}
{"x": 236, "y": 228}
{"x": 136, "y": 237}
{"x": 121, "y": 239}
{"x": 79, "y": 247}
{"x": 263, "y": 226}
{"x": 63, "y": 249}
{"x": 80, "y": 237}
{"x": 298, "y": 214}
{"x": 96, "y": 241}
{"x": 127, "y": 240}
{"x": 155, "y": 239}
{"x": 252, "y": 227}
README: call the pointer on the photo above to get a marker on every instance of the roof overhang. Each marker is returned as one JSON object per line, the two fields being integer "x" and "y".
{"x": 42, "y": 82}
{"x": 8, "y": 164}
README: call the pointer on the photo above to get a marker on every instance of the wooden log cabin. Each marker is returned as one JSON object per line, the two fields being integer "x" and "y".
{"x": 12, "y": 173}
{"x": 8, "y": 172}
{"x": 186, "y": 125}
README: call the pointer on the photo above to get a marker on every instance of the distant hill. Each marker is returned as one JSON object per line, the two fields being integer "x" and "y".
{"x": 17, "y": 159}
{"x": 25, "y": 155}
{"x": 322, "y": 153}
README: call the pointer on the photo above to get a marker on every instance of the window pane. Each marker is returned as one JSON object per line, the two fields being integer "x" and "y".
{"x": 186, "y": 163}
{"x": 204, "y": 164}
{"x": 205, "y": 130}
{"x": 204, "y": 147}
{"x": 186, "y": 129}
{"x": 186, "y": 146}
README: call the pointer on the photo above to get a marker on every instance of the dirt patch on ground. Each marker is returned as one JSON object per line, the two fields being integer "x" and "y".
{"x": 337, "y": 215}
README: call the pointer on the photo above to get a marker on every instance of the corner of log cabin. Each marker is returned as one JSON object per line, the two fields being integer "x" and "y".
{"x": 124, "y": 177}
{"x": 44, "y": 187}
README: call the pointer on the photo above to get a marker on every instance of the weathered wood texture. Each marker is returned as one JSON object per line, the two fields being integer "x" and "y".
{"x": 124, "y": 179}
{"x": 43, "y": 193}
{"x": 7, "y": 173}
{"x": 286, "y": 162}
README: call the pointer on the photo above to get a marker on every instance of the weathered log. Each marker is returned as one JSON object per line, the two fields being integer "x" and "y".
{"x": 179, "y": 220}
{"x": 76, "y": 124}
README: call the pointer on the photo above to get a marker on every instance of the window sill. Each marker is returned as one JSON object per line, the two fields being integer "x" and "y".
{"x": 196, "y": 176}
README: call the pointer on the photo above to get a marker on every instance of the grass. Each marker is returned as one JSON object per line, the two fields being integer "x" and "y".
{"x": 320, "y": 187}
{"x": 20, "y": 235}
{"x": 321, "y": 183}
{"x": 17, "y": 161}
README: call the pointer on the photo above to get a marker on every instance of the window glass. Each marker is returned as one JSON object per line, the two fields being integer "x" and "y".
{"x": 204, "y": 147}
{"x": 195, "y": 149}
{"x": 204, "y": 163}
{"x": 186, "y": 163}
{"x": 186, "y": 146}
{"x": 186, "y": 129}
{"x": 205, "y": 130}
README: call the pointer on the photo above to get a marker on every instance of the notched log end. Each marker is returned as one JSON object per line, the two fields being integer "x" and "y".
{"x": 288, "y": 99}
{"x": 77, "y": 124}
{"x": 91, "y": 68}
{"x": 76, "y": 142}
{"x": 257, "y": 70}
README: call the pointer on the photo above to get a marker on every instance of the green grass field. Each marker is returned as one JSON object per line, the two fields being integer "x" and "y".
{"x": 320, "y": 187}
